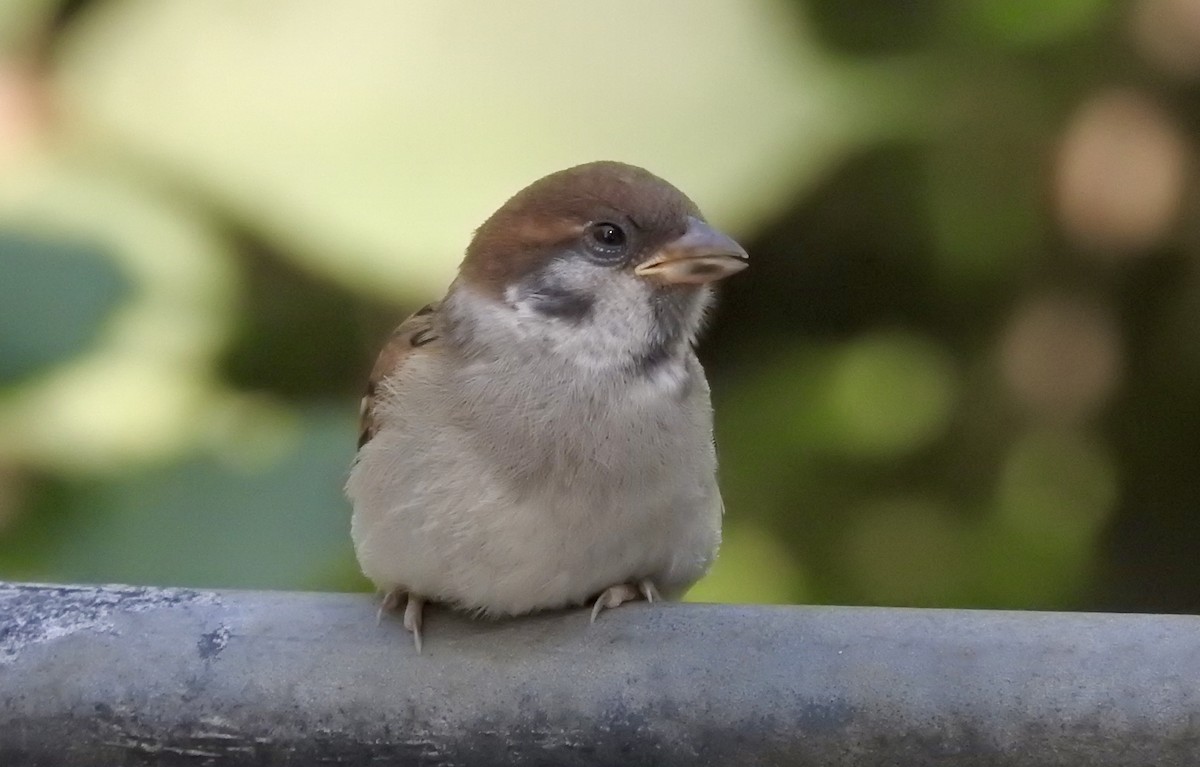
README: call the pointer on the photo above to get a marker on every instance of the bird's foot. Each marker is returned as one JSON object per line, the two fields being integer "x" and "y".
{"x": 615, "y": 596}
{"x": 414, "y": 607}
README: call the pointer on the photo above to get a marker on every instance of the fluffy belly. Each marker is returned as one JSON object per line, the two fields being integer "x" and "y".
{"x": 478, "y": 547}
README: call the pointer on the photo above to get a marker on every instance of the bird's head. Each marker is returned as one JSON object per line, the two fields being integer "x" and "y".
{"x": 605, "y": 262}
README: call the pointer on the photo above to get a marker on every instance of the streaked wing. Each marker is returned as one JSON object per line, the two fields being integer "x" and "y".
{"x": 414, "y": 333}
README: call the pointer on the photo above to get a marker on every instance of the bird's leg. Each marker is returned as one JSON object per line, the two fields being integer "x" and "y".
{"x": 413, "y": 609}
{"x": 615, "y": 596}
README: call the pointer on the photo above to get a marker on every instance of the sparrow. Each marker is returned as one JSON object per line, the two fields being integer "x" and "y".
{"x": 542, "y": 436}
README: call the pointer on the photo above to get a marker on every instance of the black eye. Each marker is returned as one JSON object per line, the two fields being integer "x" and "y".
{"x": 606, "y": 239}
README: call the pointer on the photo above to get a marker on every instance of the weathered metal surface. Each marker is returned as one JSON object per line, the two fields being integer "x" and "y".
{"x": 124, "y": 675}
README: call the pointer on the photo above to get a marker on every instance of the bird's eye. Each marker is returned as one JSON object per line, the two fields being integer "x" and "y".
{"x": 606, "y": 239}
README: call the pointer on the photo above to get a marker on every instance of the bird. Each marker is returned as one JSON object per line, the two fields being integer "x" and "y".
{"x": 542, "y": 437}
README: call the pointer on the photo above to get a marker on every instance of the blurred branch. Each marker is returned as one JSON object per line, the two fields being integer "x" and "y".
{"x": 113, "y": 675}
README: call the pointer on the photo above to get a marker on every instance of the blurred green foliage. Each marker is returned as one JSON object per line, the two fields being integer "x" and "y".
{"x": 38, "y": 328}
{"x": 960, "y": 372}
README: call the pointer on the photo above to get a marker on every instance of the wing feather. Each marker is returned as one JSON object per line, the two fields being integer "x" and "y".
{"x": 416, "y": 332}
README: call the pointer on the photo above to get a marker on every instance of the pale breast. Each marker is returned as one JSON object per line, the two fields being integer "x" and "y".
{"x": 504, "y": 501}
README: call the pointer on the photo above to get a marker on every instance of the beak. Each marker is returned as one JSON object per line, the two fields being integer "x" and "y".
{"x": 700, "y": 255}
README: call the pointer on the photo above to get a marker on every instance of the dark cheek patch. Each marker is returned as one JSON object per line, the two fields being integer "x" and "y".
{"x": 559, "y": 302}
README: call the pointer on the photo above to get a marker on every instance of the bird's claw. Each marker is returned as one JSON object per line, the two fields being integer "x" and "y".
{"x": 413, "y": 611}
{"x": 615, "y": 596}
{"x": 413, "y": 615}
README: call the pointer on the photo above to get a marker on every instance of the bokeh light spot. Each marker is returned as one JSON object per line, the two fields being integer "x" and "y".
{"x": 1168, "y": 33}
{"x": 1061, "y": 356}
{"x": 1121, "y": 173}
{"x": 891, "y": 393}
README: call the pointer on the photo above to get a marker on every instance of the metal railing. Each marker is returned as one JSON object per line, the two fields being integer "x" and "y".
{"x": 128, "y": 675}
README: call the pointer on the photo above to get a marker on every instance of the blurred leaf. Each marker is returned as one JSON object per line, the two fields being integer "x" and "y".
{"x": 371, "y": 137}
{"x": 54, "y": 299}
{"x": 1027, "y": 22}
{"x": 204, "y": 522}
{"x": 139, "y": 389}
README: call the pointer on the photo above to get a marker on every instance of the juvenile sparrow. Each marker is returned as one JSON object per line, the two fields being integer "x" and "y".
{"x": 542, "y": 436}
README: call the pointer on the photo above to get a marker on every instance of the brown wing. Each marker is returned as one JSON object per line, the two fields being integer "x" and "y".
{"x": 413, "y": 333}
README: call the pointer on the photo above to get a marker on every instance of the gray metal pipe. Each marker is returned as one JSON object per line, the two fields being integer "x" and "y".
{"x": 125, "y": 675}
